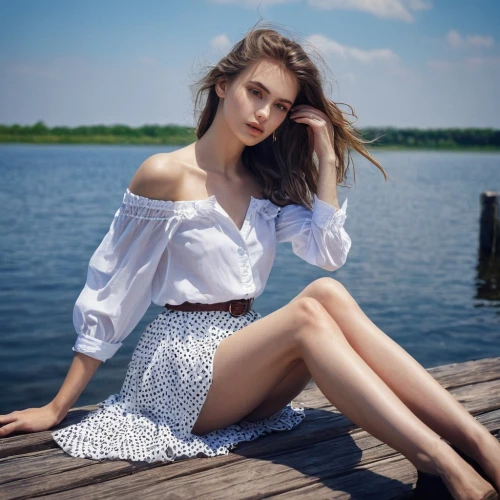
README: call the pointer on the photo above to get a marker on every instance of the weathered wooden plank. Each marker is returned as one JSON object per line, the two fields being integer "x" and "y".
{"x": 388, "y": 479}
{"x": 36, "y": 464}
{"x": 466, "y": 372}
{"x": 61, "y": 477}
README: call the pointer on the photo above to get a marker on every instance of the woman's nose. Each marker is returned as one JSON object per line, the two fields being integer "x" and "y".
{"x": 263, "y": 112}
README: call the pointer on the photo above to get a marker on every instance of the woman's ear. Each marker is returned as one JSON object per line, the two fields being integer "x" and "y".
{"x": 220, "y": 87}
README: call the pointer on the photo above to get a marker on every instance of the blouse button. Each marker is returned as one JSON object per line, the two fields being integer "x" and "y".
{"x": 198, "y": 377}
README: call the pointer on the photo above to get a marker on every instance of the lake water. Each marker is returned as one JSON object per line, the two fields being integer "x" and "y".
{"x": 413, "y": 265}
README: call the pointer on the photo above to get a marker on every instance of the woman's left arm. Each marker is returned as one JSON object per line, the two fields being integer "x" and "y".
{"x": 318, "y": 235}
{"x": 321, "y": 139}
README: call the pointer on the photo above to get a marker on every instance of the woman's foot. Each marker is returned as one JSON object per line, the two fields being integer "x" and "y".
{"x": 486, "y": 453}
{"x": 462, "y": 481}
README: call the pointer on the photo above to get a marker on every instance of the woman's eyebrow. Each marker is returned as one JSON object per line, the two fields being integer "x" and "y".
{"x": 265, "y": 89}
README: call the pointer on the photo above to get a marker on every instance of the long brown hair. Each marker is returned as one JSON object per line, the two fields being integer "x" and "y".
{"x": 285, "y": 168}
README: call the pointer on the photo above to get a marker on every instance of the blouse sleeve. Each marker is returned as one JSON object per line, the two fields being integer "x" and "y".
{"x": 120, "y": 275}
{"x": 318, "y": 235}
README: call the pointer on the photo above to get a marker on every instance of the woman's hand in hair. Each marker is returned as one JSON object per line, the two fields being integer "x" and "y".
{"x": 319, "y": 129}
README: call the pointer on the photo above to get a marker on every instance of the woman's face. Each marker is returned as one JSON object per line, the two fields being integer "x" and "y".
{"x": 262, "y": 95}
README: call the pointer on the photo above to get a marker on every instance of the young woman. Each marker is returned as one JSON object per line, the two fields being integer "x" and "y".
{"x": 197, "y": 232}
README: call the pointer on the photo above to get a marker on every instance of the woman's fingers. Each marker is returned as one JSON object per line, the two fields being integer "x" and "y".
{"x": 9, "y": 417}
{"x": 29, "y": 420}
{"x": 9, "y": 427}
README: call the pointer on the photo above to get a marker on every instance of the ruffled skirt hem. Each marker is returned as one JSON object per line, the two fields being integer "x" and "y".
{"x": 112, "y": 433}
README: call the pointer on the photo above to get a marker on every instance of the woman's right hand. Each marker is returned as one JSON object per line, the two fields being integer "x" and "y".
{"x": 41, "y": 419}
{"x": 29, "y": 420}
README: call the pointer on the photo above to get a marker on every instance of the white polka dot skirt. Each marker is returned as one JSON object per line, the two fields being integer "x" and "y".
{"x": 165, "y": 386}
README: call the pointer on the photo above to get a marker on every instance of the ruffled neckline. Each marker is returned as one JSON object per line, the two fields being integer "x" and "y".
{"x": 189, "y": 208}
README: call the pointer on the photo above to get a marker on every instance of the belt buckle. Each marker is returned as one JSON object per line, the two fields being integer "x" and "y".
{"x": 246, "y": 308}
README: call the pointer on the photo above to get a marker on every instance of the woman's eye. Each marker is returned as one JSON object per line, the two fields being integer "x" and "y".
{"x": 283, "y": 108}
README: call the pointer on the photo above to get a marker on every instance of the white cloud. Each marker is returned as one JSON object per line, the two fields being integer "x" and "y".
{"x": 388, "y": 9}
{"x": 480, "y": 41}
{"x": 455, "y": 40}
{"x": 419, "y": 5}
{"x": 331, "y": 47}
{"x": 221, "y": 43}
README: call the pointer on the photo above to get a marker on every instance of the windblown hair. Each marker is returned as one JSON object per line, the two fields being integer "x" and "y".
{"x": 287, "y": 168}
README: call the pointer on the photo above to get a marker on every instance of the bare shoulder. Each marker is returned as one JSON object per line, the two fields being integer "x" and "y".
{"x": 158, "y": 177}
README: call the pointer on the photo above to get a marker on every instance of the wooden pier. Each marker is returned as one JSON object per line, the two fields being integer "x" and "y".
{"x": 325, "y": 457}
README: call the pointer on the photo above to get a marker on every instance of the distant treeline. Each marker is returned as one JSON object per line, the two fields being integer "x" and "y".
{"x": 98, "y": 134}
{"x": 387, "y": 137}
{"x": 446, "y": 138}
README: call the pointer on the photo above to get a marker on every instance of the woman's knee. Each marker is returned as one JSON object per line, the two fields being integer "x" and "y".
{"x": 328, "y": 290}
{"x": 312, "y": 318}
{"x": 307, "y": 309}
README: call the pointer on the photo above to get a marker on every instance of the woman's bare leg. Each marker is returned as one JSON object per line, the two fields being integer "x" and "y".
{"x": 409, "y": 380}
{"x": 285, "y": 391}
{"x": 250, "y": 362}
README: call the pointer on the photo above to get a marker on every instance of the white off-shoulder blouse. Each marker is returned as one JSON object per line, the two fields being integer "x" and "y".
{"x": 175, "y": 251}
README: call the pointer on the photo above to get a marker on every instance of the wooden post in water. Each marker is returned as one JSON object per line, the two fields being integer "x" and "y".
{"x": 489, "y": 234}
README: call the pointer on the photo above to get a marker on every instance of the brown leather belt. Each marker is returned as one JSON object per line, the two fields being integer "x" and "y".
{"x": 236, "y": 307}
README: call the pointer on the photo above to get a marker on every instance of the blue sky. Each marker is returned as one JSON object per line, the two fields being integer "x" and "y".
{"x": 402, "y": 63}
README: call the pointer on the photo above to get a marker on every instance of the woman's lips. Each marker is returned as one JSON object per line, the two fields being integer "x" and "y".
{"x": 254, "y": 130}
